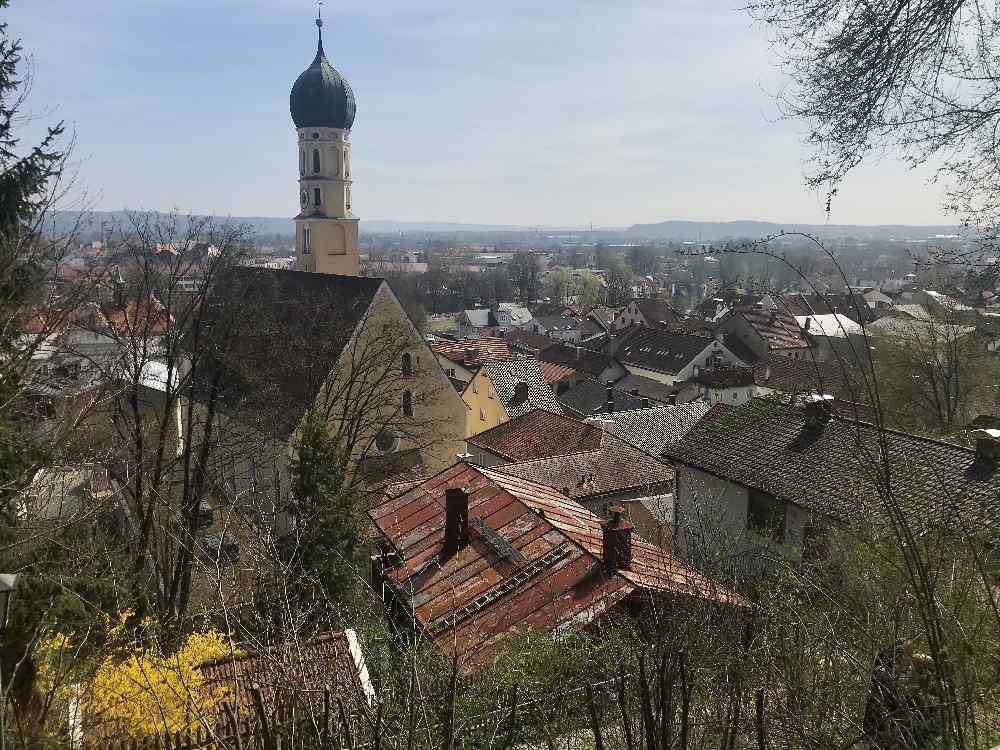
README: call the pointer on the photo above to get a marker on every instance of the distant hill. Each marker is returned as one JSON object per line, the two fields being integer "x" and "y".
{"x": 710, "y": 231}
{"x": 696, "y": 231}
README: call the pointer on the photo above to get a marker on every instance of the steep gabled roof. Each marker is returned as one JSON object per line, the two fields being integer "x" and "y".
{"x": 538, "y": 567}
{"x": 657, "y": 312}
{"x": 279, "y": 358}
{"x": 615, "y": 467}
{"x": 538, "y": 434}
{"x": 660, "y": 350}
{"x": 838, "y": 469}
{"x": 777, "y": 327}
{"x": 653, "y": 430}
{"x": 506, "y": 376}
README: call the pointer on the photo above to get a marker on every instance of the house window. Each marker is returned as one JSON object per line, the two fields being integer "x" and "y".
{"x": 766, "y": 515}
{"x": 407, "y": 364}
{"x": 316, "y": 164}
{"x": 407, "y": 403}
{"x": 475, "y": 387}
{"x": 482, "y": 415}
{"x": 489, "y": 393}
{"x": 317, "y": 197}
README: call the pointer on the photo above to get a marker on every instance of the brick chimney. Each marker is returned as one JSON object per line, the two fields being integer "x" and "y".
{"x": 644, "y": 403}
{"x": 617, "y": 540}
{"x": 609, "y": 402}
{"x": 817, "y": 410}
{"x": 456, "y": 519}
{"x": 987, "y": 446}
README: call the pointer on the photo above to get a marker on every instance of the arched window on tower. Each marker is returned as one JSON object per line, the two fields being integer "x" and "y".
{"x": 302, "y": 162}
{"x": 407, "y": 403}
{"x": 347, "y": 165}
{"x": 316, "y": 164}
{"x": 407, "y": 364}
{"x": 317, "y": 197}
{"x": 348, "y": 201}
{"x": 306, "y": 241}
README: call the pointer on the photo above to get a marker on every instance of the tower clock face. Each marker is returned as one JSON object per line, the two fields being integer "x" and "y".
{"x": 304, "y": 199}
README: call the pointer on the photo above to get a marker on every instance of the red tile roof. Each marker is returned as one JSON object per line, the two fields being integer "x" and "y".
{"x": 553, "y": 372}
{"x": 465, "y": 603}
{"x": 472, "y": 353}
{"x": 538, "y": 434}
{"x": 292, "y": 671}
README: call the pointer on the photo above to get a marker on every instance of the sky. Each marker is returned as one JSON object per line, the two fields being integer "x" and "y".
{"x": 522, "y": 112}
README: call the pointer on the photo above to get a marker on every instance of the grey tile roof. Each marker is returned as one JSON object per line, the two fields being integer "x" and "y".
{"x": 653, "y": 430}
{"x": 507, "y": 374}
{"x": 837, "y": 470}
{"x": 660, "y": 350}
{"x": 282, "y": 356}
{"x": 614, "y": 467}
{"x": 588, "y": 397}
{"x": 647, "y": 388}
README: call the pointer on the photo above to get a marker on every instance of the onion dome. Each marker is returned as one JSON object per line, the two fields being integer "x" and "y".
{"x": 321, "y": 97}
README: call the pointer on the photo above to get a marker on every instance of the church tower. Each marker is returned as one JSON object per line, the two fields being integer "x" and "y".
{"x": 322, "y": 108}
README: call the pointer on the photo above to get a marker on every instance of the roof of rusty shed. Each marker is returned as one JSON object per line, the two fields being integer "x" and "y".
{"x": 558, "y": 539}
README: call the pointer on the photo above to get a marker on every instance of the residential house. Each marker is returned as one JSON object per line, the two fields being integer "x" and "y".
{"x": 472, "y": 556}
{"x": 733, "y": 386}
{"x": 778, "y": 374}
{"x": 537, "y": 434}
{"x": 671, "y": 357}
{"x": 496, "y": 319}
{"x": 586, "y": 362}
{"x": 763, "y": 332}
{"x": 500, "y": 391}
{"x": 461, "y": 359}
{"x": 523, "y": 342}
{"x": 652, "y": 430}
{"x": 755, "y": 482}
{"x": 588, "y": 397}
{"x": 614, "y": 474}
{"x": 653, "y": 313}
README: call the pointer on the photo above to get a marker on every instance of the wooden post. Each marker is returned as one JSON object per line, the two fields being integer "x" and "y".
{"x": 265, "y": 725}
{"x": 761, "y": 739}
{"x": 595, "y": 723}
{"x": 235, "y": 727}
{"x": 325, "y": 731}
{"x": 348, "y": 735}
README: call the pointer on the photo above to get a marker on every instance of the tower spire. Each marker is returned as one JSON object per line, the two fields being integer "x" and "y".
{"x": 319, "y": 22}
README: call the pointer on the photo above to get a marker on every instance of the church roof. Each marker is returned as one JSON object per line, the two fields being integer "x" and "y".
{"x": 321, "y": 97}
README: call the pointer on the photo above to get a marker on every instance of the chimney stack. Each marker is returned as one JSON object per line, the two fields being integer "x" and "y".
{"x": 987, "y": 446}
{"x": 617, "y": 540}
{"x": 520, "y": 392}
{"x": 817, "y": 410}
{"x": 609, "y": 402}
{"x": 456, "y": 519}
{"x": 644, "y": 404}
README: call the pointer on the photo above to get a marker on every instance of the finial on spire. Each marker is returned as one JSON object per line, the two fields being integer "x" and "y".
{"x": 319, "y": 21}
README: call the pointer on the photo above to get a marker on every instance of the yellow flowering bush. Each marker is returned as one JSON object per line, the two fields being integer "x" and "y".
{"x": 144, "y": 692}
{"x": 137, "y": 690}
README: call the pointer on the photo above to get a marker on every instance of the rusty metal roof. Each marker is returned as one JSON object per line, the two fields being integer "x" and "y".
{"x": 539, "y": 434}
{"x": 467, "y": 602}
